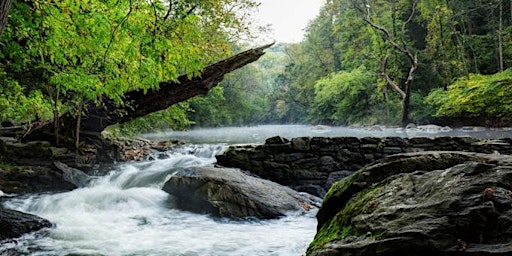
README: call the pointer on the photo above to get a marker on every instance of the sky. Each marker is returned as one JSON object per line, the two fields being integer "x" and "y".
{"x": 288, "y": 18}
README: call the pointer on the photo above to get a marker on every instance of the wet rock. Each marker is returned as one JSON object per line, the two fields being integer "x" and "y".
{"x": 430, "y": 203}
{"x": 14, "y": 224}
{"x": 73, "y": 175}
{"x": 32, "y": 179}
{"x": 226, "y": 192}
{"x": 276, "y": 140}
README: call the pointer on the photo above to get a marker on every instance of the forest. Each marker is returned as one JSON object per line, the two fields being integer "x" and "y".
{"x": 389, "y": 62}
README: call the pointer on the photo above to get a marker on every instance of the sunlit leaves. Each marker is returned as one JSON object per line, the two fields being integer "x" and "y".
{"x": 17, "y": 107}
{"x": 345, "y": 97}
{"x": 89, "y": 50}
{"x": 477, "y": 95}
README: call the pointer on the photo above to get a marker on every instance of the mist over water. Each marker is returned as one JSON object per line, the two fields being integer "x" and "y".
{"x": 258, "y": 134}
{"x": 127, "y": 213}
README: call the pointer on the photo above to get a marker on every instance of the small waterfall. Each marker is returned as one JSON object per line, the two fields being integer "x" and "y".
{"x": 127, "y": 213}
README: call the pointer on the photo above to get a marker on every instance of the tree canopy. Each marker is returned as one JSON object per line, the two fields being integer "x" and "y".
{"x": 446, "y": 45}
{"x": 65, "y": 56}
{"x": 77, "y": 50}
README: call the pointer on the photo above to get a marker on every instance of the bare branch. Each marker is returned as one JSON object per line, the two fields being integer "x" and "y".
{"x": 5, "y": 6}
{"x": 168, "y": 10}
{"x": 407, "y": 51}
{"x": 388, "y": 35}
{"x": 388, "y": 79}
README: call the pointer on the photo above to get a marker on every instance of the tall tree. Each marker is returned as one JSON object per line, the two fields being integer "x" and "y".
{"x": 402, "y": 47}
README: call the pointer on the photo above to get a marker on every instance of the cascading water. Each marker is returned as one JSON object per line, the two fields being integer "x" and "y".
{"x": 127, "y": 213}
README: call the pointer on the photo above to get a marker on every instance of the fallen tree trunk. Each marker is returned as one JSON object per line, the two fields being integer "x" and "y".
{"x": 139, "y": 103}
{"x": 169, "y": 93}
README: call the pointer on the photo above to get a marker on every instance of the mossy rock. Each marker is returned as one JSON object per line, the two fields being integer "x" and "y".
{"x": 419, "y": 204}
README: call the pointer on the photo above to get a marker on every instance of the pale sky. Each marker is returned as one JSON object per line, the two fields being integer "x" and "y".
{"x": 288, "y": 18}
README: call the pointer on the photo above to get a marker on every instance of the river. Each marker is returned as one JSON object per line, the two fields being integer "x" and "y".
{"x": 127, "y": 213}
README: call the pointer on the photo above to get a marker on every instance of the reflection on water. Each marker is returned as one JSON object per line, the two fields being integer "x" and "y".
{"x": 258, "y": 134}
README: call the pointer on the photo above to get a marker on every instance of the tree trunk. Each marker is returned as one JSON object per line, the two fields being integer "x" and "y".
{"x": 402, "y": 48}
{"x": 5, "y": 6}
{"x": 96, "y": 118}
{"x": 500, "y": 38}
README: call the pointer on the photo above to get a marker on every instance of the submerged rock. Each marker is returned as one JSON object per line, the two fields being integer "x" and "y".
{"x": 431, "y": 203}
{"x": 14, "y": 224}
{"x": 227, "y": 192}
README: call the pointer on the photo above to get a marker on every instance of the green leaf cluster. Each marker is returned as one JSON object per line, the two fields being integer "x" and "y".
{"x": 476, "y": 95}
{"x": 175, "y": 117}
{"x": 58, "y": 54}
{"x": 346, "y": 97}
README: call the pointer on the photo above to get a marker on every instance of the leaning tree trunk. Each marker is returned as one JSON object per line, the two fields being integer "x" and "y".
{"x": 139, "y": 103}
{"x": 5, "y": 6}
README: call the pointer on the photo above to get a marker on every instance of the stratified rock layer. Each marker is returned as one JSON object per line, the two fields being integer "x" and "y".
{"x": 430, "y": 203}
{"x": 230, "y": 193}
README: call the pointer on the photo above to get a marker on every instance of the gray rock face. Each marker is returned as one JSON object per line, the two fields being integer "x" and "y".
{"x": 432, "y": 203}
{"x": 226, "y": 192}
{"x": 14, "y": 223}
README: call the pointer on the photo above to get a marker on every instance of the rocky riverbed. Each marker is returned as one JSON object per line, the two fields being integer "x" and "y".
{"x": 383, "y": 196}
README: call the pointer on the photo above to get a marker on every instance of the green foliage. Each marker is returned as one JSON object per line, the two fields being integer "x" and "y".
{"x": 72, "y": 51}
{"x": 347, "y": 98}
{"x": 243, "y": 98}
{"x": 295, "y": 91}
{"x": 174, "y": 117}
{"x": 476, "y": 95}
{"x": 19, "y": 108}
{"x": 443, "y": 41}
{"x": 451, "y": 39}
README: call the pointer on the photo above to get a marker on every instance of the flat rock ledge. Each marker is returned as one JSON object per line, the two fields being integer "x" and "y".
{"x": 419, "y": 204}
{"x": 227, "y": 192}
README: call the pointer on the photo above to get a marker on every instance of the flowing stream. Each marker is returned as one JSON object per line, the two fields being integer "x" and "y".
{"x": 127, "y": 213}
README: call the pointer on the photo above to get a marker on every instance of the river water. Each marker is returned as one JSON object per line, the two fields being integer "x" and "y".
{"x": 258, "y": 134}
{"x": 127, "y": 213}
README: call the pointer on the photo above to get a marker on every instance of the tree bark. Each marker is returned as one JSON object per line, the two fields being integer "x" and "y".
{"x": 5, "y": 6}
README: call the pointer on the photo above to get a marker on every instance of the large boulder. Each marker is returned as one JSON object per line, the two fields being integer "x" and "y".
{"x": 15, "y": 224}
{"x": 227, "y": 192}
{"x": 431, "y": 203}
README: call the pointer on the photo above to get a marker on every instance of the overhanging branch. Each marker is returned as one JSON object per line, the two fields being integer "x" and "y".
{"x": 169, "y": 93}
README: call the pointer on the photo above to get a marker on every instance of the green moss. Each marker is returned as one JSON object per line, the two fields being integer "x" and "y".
{"x": 340, "y": 226}
{"x": 340, "y": 186}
